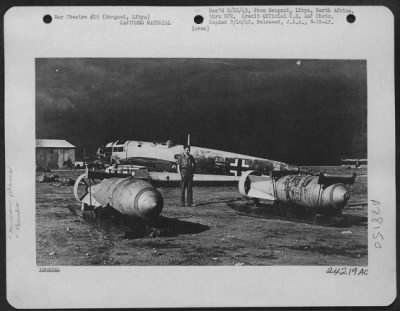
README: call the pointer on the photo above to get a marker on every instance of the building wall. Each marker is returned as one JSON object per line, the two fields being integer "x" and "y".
{"x": 53, "y": 158}
{"x": 64, "y": 155}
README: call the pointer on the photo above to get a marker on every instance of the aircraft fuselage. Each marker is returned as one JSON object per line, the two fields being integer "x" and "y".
{"x": 162, "y": 157}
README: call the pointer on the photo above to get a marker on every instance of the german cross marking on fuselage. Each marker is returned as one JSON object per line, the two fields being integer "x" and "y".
{"x": 237, "y": 166}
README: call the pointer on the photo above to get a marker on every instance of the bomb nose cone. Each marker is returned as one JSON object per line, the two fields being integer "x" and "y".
{"x": 150, "y": 203}
{"x": 340, "y": 195}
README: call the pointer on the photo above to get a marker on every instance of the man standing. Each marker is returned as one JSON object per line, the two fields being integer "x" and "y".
{"x": 186, "y": 167}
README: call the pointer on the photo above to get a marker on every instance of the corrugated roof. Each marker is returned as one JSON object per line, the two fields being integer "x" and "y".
{"x": 53, "y": 143}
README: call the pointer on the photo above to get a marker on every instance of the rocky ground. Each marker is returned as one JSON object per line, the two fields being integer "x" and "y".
{"x": 211, "y": 233}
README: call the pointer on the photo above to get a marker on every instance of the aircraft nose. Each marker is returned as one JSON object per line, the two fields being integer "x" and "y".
{"x": 340, "y": 195}
{"x": 150, "y": 203}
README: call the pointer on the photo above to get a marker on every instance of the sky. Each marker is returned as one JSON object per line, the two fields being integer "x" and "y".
{"x": 306, "y": 112}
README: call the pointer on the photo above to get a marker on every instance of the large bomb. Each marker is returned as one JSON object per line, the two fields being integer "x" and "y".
{"x": 322, "y": 193}
{"x": 129, "y": 196}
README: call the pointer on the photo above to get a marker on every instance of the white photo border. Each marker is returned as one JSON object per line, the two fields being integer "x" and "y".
{"x": 27, "y": 38}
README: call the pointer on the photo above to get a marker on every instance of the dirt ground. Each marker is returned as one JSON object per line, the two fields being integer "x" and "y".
{"x": 211, "y": 233}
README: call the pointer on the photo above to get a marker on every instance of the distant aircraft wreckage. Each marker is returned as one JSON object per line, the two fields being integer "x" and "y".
{"x": 354, "y": 163}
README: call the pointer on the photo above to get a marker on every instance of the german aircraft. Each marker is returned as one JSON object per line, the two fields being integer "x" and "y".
{"x": 212, "y": 166}
{"x": 354, "y": 163}
{"x": 257, "y": 178}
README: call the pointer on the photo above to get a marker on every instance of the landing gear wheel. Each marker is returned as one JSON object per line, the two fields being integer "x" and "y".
{"x": 78, "y": 191}
{"x": 256, "y": 202}
{"x": 85, "y": 183}
{"x": 245, "y": 183}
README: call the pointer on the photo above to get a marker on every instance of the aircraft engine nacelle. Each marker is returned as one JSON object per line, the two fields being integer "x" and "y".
{"x": 308, "y": 191}
{"x": 129, "y": 196}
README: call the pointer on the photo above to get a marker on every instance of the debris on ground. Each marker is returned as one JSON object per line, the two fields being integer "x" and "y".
{"x": 346, "y": 232}
{"x": 59, "y": 181}
{"x": 47, "y": 178}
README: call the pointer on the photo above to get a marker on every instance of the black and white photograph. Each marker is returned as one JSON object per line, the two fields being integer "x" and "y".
{"x": 201, "y": 162}
{"x": 200, "y": 156}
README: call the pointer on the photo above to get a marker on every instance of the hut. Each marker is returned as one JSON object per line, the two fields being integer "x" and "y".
{"x": 54, "y": 154}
